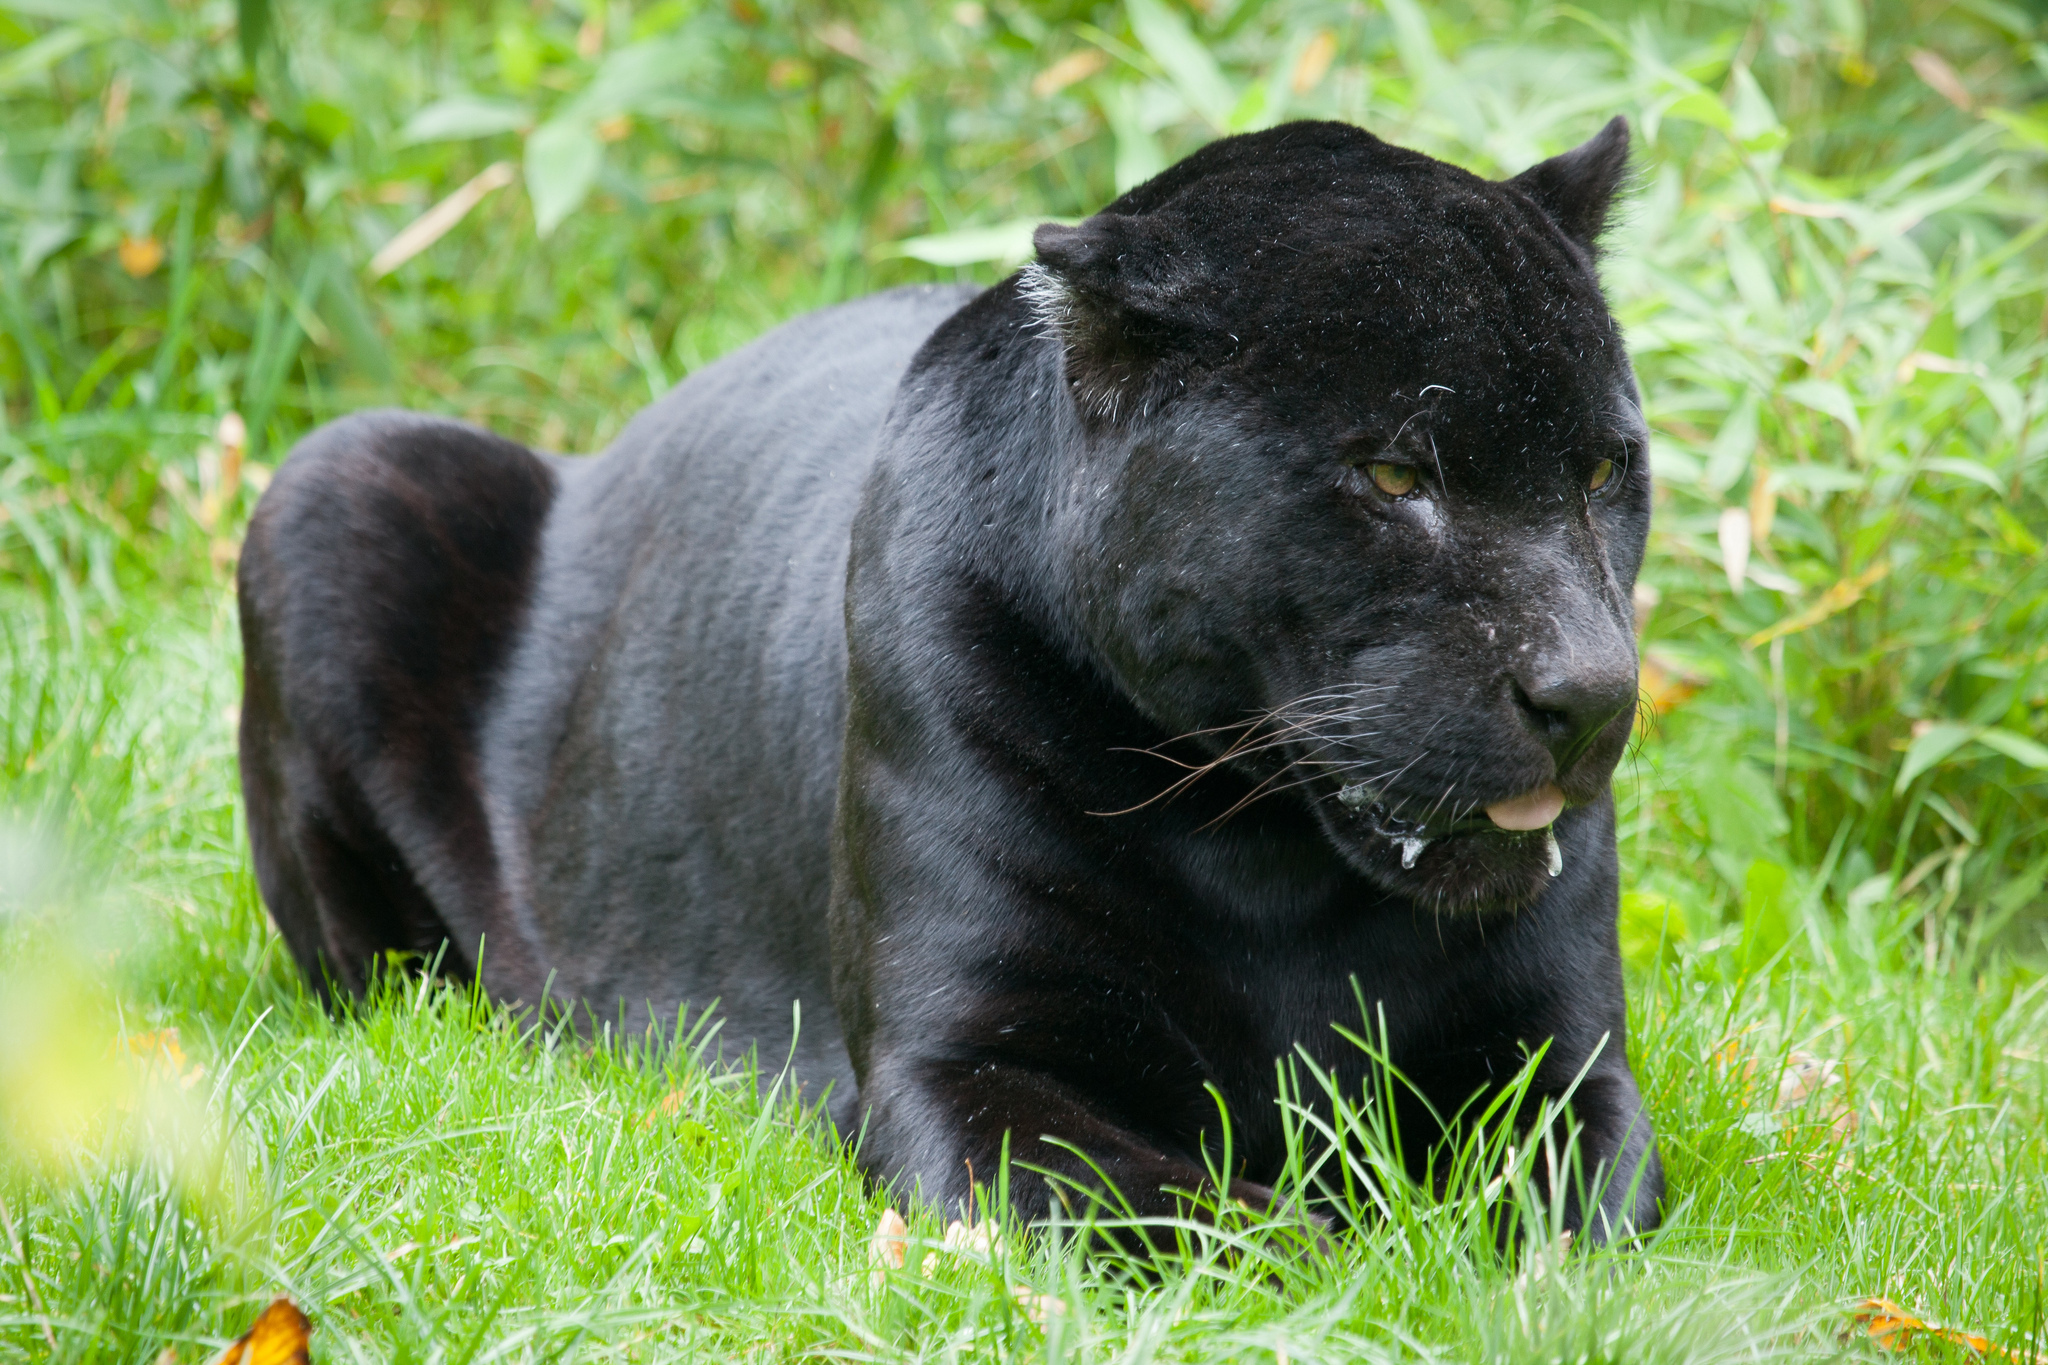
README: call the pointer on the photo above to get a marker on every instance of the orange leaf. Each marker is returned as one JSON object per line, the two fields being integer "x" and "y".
{"x": 888, "y": 1245}
{"x": 1893, "y": 1328}
{"x": 1075, "y": 66}
{"x": 280, "y": 1335}
{"x": 1666, "y": 684}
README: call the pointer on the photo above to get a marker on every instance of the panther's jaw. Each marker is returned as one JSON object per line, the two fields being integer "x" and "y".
{"x": 1475, "y": 862}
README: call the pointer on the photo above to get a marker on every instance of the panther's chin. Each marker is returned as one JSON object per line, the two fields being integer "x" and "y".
{"x": 1470, "y": 865}
{"x": 1476, "y": 871}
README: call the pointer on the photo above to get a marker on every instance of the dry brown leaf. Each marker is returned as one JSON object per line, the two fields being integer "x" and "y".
{"x": 431, "y": 226}
{"x": 1934, "y": 69}
{"x": 281, "y": 1335}
{"x": 1075, "y": 66}
{"x": 977, "y": 1242}
{"x": 140, "y": 256}
{"x": 1315, "y": 62}
{"x": 613, "y": 129}
{"x": 841, "y": 38}
{"x": 1545, "y": 1261}
{"x": 1893, "y": 1328}
{"x": 1040, "y": 1308}
{"x": 1802, "y": 209}
{"x": 888, "y": 1246}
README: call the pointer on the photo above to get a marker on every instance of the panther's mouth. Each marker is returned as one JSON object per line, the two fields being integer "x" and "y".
{"x": 1516, "y": 817}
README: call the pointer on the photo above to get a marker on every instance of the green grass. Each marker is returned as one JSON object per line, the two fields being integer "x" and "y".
{"x": 433, "y": 1180}
{"x": 1835, "y": 282}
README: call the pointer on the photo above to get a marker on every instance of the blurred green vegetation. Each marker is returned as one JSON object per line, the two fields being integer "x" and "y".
{"x": 1832, "y": 272}
{"x": 224, "y": 221}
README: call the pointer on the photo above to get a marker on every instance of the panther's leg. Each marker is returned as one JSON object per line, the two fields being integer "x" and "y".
{"x": 1619, "y": 1170}
{"x": 383, "y": 581}
{"x": 1600, "y": 1154}
{"x": 941, "y": 1128}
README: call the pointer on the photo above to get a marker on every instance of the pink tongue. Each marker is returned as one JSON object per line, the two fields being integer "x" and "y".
{"x": 1530, "y": 810}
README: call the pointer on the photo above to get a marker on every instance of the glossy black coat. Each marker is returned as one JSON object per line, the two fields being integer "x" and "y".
{"x": 863, "y": 669}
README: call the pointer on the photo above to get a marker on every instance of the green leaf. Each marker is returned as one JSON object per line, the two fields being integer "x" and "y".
{"x": 631, "y": 79}
{"x": 327, "y": 122}
{"x": 26, "y": 63}
{"x": 1967, "y": 469}
{"x": 1194, "y": 72}
{"x": 563, "y": 158}
{"x": 2025, "y": 127}
{"x": 1930, "y": 747}
{"x": 1000, "y": 242}
{"x": 1825, "y": 396}
{"x": 1651, "y": 927}
{"x": 1743, "y": 814}
{"x": 461, "y": 117}
{"x": 1755, "y": 123}
{"x": 252, "y": 27}
{"x": 1728, "y": 457}
{"x": 1701, "y": 106}
{"x": 1414, "y": 42}
{"x": 2018, "y": 748}
{"x": 1139, "y": 156}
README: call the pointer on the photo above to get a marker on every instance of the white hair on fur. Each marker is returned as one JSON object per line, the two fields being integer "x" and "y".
{"x": 1051, "y": 300}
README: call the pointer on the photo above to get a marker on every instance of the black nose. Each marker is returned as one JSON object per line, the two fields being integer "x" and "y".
{"x": 1565, "y": 704}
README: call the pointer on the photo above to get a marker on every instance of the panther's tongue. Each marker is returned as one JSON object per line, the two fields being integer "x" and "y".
{"x": 1530, "y": 810}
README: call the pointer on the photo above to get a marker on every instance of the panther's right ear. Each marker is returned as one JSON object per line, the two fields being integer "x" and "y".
{"x": 1123, "y": 303}
{"x": 1577, "y": 188}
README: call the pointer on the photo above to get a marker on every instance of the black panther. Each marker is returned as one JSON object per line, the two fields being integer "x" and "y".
{"x": 1064, "y": 698}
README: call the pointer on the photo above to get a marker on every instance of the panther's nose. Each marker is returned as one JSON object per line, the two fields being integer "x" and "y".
{"x": 1566, "y": 702}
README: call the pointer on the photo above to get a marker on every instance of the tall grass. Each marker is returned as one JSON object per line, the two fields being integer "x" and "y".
{"x": 1832, "y": 275}
{"x": 434, "y": 1179}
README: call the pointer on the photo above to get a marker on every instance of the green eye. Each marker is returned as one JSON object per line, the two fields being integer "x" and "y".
{"x": 1395, "y": 480}
{"x": 1602, "y": 472}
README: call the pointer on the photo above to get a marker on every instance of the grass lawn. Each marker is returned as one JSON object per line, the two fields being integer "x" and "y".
{"x": 1833, "y": 271}
{"x": 1864, "y": 1113}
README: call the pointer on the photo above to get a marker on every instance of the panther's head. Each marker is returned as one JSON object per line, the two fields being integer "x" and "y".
{"x": 1362, "y": 487}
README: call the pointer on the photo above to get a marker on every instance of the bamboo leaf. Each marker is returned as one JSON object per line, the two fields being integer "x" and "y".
{"x": 1930, "y": 747}
{"x": 562, "y": 162}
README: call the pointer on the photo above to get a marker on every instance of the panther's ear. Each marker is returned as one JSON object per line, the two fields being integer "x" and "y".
{"x": 1123, "y": 302}
{"x": 1577, "y": 188}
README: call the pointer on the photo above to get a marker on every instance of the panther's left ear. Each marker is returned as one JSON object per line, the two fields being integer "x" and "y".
{"x": 1126, "y": 299}
{"x": 1577, "y": 188}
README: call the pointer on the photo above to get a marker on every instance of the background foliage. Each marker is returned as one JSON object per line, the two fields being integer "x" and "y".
{"x": 1832, "y": 274}
{"x": 218, "y": 228}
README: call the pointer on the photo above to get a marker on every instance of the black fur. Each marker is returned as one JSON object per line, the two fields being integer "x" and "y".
{"x": 1034, "y": 685}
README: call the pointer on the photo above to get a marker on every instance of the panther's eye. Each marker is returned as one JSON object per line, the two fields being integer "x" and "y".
{"x": 1602, "y": 473}
{"x": 1395, "y": 480}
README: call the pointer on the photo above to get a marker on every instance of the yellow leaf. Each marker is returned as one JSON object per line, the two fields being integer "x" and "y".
{"x": 280, "y": 1335}
{"x": 1838, "y": 598}
{"x": 1763, "y": 505}
{"x": 140, "y": 256}
{"x": 1315, "y": 62}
